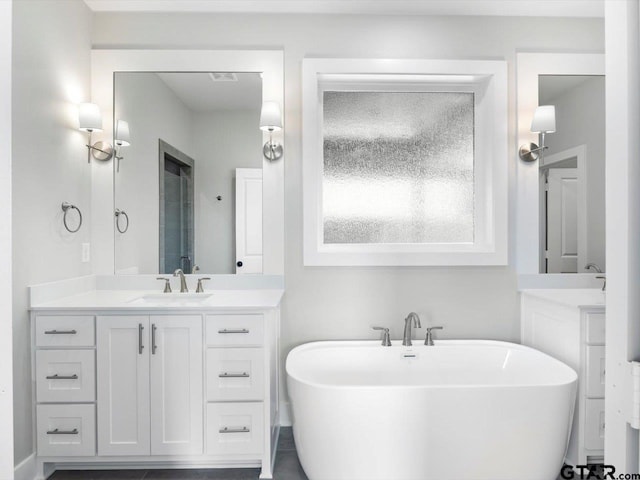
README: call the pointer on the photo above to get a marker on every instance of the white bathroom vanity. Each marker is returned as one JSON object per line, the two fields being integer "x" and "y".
{"x": 139, "y": 379}
{"x": 569, "y": 324}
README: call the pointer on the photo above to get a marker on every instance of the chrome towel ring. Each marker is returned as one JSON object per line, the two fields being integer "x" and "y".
{"x": 66, "y": 206}
{"x": 121, "y": 213}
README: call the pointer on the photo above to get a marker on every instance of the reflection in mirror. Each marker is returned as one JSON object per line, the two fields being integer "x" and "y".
{"x": 191, "y": 178}
{"x": 572, "y": 176}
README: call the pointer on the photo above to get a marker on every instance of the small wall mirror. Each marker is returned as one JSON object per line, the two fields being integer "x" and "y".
{"x": 572, "y": 176}
{"x": 190, "y": 182}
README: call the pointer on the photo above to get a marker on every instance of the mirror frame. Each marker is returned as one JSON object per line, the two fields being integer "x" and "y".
{"x": 529, "y": 66}
{"x": 104, "y": 64}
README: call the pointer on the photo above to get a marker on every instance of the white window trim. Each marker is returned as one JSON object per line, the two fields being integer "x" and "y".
{"x": 488, "y": 79}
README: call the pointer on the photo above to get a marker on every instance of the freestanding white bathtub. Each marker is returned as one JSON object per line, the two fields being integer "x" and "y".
{"x": 459, "y": 410}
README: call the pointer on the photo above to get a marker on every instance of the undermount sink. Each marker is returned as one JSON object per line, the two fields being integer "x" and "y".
{"x": 172, "y": 299}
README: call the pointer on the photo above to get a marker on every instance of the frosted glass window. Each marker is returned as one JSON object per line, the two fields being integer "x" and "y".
{"x": 398, "y": 167}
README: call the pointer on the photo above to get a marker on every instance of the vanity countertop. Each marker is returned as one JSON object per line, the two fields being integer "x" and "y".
{"x": 100, "y": 300}
{"x": 571, "y": 297}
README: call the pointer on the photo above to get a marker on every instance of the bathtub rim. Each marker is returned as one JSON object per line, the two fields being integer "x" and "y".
{"x": 373, "y": 343}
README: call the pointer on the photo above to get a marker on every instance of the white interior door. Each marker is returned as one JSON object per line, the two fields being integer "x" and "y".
{"x": 176, "y": 385}
{"x": 562, "y": 220}
{"x": 123, "y": 389}
{"x": 248, "y": 220}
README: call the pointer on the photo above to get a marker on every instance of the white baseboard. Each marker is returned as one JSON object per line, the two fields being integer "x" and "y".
{"x": 285, "y": 414}
{"x": 26, "y": 469}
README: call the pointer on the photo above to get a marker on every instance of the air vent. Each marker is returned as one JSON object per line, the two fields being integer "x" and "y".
{"x": 223, "y": 77}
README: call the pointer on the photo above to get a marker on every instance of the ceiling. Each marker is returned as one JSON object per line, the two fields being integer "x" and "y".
{"x": 201, "y": 94}
{"x": 526, "y": 8}
{"x": 551, "y": 87}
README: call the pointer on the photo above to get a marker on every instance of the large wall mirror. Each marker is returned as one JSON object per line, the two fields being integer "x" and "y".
{"x": 572, "y": 174}
{"x": 561, "y": 197}
{"x": 190, "y": 182}
{"x": 192, "y": 186}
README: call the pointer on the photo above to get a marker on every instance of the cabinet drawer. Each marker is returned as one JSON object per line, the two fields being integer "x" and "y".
{"x": 596, "y": 328}
{"x": 241, "y": 330}
{"x": 595, "y": 370}
{"x": 235, "y": 428}
{"x": 65, "y": 331}
{"x": 66, "y": 430}
{"x": 235, "y": 374}
{"x": 65, "y": 375}
{"x": 594, "y": 424}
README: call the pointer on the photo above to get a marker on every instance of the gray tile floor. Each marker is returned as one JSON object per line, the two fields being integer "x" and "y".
{"x": 287, "y": 468}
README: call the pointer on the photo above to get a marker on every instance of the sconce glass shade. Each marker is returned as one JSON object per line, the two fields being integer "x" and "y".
{"x": 122, "y": 133}
{"x": 90, "y": 118}
{"x": 270, "y": 117}
{"x": 544, "y": 119}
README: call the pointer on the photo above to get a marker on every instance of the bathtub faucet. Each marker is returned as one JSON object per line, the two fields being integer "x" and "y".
{"x": 406, "y": 339}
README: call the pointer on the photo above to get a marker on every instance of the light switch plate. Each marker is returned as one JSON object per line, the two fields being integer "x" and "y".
{"x": 86, "y": 252}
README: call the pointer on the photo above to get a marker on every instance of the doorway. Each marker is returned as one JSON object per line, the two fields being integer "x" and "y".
{"x": 176, "y": 210}
{"x": 563, "y": 219}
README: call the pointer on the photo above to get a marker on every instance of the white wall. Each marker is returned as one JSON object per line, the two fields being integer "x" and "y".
{"x": 222, "y": 141}
{"x": 6, "y": 344}
{"x": 339, "y": 303}
{"x": 51, "y": 74}
{"x": 623, "y": 229}
{"x": 580, "y": 120}
{"x": 153, "y": 111}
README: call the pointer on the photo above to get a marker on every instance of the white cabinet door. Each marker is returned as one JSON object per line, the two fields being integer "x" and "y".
{"x": 123, "y": 385}
{"x": 176, "y": 385}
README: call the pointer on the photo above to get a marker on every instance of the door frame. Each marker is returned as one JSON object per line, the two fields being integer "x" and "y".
{"x": 580, "y": 154}
{"x": 164, "y": 149}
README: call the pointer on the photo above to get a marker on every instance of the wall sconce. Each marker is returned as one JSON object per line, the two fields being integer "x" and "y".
{"x": 91, "y": 121}
{"x": 544, "y": 121}
{"x": 122, "y": 139}
{"x": 271, "y": 121}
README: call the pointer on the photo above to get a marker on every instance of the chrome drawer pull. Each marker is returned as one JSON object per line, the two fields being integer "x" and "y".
{"x": 60, "y": 332}
{"x": 234, "y": 430}
{"x": 242, "y": 330}
{"x": 63, "y": 432}
{"x": 62, "y": 377}
{"x": 234, "y": 375}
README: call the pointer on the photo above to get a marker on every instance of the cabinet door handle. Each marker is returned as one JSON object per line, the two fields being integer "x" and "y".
{"x": 140, "y": 345}
{"x": 153, "y": 339}
{"x": 242, "y": 330}
{"x": 234, "y": 430}
{"x": 63, "y": 432}
{"x": 60, "y": 332}
{"x": 62, "y": 377}
{"x": 234, "y": 375}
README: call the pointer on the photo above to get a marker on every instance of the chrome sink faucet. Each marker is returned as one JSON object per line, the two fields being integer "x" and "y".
{"x": 594, "y": 266}
{"x": 406, "y": 338}
{"x": 183, "y": 281}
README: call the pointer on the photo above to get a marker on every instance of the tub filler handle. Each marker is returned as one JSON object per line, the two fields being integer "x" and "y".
{"x": 429, "y": 338}
{"x": 386, "y": 339}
